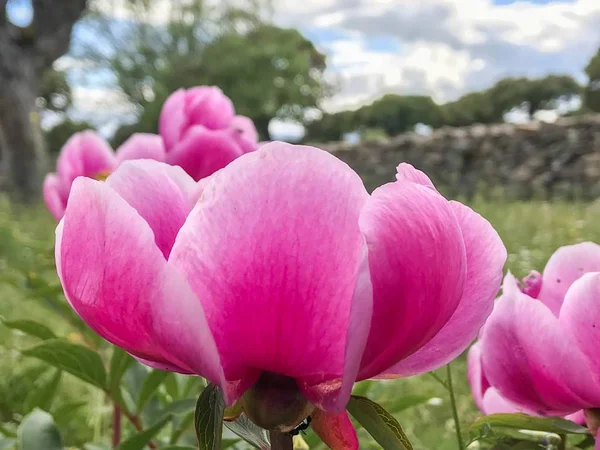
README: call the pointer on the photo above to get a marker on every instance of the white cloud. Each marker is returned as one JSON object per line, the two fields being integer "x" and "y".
{"x": 442, "y": 48}
{"x": 448, "y": 47}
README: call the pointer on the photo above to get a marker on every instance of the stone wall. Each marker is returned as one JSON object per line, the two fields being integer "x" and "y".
{"x": 516, "y": 161}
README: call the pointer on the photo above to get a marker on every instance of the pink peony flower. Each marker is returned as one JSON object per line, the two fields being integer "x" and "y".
{"x": 201, "y": 132}
{"x": 542, "y": 354}
{"x": 279, "y": 278}
{"x": 488, "y": 399}
{"x": 87, "y": 154}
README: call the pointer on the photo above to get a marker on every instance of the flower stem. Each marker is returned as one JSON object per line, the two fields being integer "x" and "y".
{"x": 563, "y": 442}
{"x": 281, "y": 441}
{"x": 116, "y": 437}
{"x": 135, "y": 421}
{"x": 450, "y": 386}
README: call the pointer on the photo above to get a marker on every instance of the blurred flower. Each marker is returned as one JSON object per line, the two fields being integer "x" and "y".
{"x": 201, "y": 132}
{"x": 540, "y": 356}
{"x": 87, "y": 154}
{"x": 284, "y": 282}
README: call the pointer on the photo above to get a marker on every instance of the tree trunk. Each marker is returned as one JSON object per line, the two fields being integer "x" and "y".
{"x": 25, "y": 53}
{"x": 19, "y": 137}
{"x": 262, "y": 126}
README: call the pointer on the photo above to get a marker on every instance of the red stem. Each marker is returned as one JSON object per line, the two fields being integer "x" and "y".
{"x": 116, "y": 437}
{"x": 135, "y": 421}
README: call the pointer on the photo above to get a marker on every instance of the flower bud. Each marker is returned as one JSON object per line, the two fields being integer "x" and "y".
{"x": 276, "y": 403}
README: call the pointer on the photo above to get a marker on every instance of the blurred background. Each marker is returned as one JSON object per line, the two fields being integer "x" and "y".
{"x": 312, "y": 71}
{"x": 497, "y": 100}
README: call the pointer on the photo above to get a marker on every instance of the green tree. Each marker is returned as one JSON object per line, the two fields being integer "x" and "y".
{"x": 267, "y": 71}
{"x": 592, "y": 90}
{"x": 532, "y": 94}
{"x": 397, "y": 114}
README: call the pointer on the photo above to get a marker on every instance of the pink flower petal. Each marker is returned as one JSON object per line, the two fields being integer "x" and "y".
{"x": 118, "y": 281}
{"x": 580, "y": 316}
{"x": 173, "y": 120}
{"x": 209, "y": 107}
{"x": 159, "y": 193}
{"x": 142, "y": 146}
{"x": 244, "y": 133}
{"x": 335, "y": 430}
{"x": 85, "y": 154}
{"x": 54, "y": 201}
{"x": 565, "y": 266}
{"x": 530, "y": 361}
{"x": 418, "y": 264}
{"x": 477, "y": 380}
{"x": 244, "y": 126}
{"x": 202, "y": 152}
{"x": 486, "y": 256}
{"x": 407, "y": 172}
{"x": 578, "y": 417}
{"x": 532, "y": 284}
{"x": 494, "y": 403}
{"x": 273, "y": 250}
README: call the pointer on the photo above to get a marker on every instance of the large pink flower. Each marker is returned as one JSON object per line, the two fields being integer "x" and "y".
{"x": 201, "y": 132}
{"x": 542, "y": 354}
{"x": 86, "y": 154}
{"x": 285, "y": 272}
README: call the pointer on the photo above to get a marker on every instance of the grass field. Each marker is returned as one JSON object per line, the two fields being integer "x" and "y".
{"x": 531, "y": 232}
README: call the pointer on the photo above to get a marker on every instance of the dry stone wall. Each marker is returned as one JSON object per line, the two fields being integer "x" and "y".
{"x": 560, "y": 159}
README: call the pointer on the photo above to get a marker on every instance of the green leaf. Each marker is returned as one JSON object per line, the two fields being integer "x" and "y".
{"x": 171, "y": 386}
{"x": 208, "y": 418}
{"x": 249, "y": 432}
{"x": 64, "y": 413}
{"x": 119, "y": 363}
{"x": 405, "y": 402}
{"x": 79, "y": 361}
{"x": 38, "y": 431}
{"x": 380, "y": 424}
{"x": 30, "y": 327}
{"x": 7, "y": 431}
{"x": 179, "y": 408}
{"x": 524, "y": 422}
{"x": 139, "y": 441}
{"x": 43, "y": 394}
{"x": 151, "y": 384}
{"x": 228, "y": 443}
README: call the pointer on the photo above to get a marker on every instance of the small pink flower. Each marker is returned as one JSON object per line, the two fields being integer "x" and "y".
{"x": 285, "y": 278}
{"x": 141, "y": 146}
{"x": 488, "y": 399}
{"x": 542, "y": 354}
{"x": 201, "y": 132}
{"x": 87, "y": 154}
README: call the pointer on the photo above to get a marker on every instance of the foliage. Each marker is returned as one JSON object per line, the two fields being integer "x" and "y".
{"x": 267, "y": 71}
{"x": 60, "y": 133}
{"x": 160, "y": 406}
{"x": 396, "y": 114}
{"x": 592, "y": 90}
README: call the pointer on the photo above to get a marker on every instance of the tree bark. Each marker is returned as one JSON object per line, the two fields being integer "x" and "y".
{"x": 25, "y": 53}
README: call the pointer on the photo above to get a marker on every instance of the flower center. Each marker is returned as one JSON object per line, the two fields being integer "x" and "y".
{"x": 275, "y": 403}
{"x": 102, "y": 175}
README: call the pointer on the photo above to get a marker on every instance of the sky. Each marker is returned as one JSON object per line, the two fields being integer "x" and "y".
{"x": 442, "y": 48}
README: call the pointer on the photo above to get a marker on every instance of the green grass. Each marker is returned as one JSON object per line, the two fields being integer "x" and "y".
{"x": 531, "y": 231}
